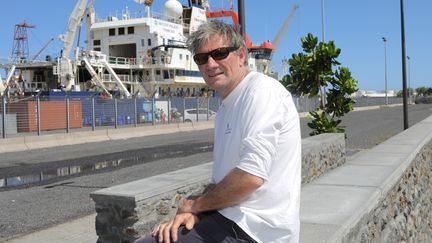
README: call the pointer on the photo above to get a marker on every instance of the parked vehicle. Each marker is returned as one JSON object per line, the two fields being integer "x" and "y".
{"x": 190, "y": 115}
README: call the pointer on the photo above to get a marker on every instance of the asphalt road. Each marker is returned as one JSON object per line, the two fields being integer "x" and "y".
{"x": 27, "y": 209}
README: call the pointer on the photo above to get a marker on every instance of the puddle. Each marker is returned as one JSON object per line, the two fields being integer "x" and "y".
{"x": 56, "y": 173}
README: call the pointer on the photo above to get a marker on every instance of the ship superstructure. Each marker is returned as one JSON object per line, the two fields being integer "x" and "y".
{"x": 147, "y": 51}
{"x": 141, "y": 54}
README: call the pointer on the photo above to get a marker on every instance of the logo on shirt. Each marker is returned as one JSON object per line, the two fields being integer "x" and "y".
{"x": 228, "y": 129}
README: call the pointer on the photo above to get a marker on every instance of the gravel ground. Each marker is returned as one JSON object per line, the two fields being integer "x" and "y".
{"x": 27, "y": 210}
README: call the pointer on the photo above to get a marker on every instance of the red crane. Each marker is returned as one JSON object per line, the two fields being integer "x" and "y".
{"x": 265, "y": 47}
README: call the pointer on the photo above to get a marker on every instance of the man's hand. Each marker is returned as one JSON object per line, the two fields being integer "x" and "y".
{"x": 169, "y": 230}
{"x": 186, "y": 205}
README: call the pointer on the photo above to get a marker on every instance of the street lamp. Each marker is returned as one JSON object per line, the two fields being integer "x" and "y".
{"x": 404, "y": 81}
{"x": 385, "y": 68}
{"x": 322, "y": 20}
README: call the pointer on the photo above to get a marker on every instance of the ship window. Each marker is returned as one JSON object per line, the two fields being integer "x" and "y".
{"x": 96, "y": 42}
{"x": 111, "y": 32}
{"x": 187, "y": 57}
{"x": 121, "y": 31}
{"x": 181, "y": 56}
{"x": 131, "y": 30}
{"x": 97, "y": 49}
{"x": 149, "y": 42}
{"x": 142, "y": 42}
{"x": 158, "y": 72}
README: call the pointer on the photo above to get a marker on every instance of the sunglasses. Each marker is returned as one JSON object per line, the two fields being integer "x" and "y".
{"x": 217, "y": 54}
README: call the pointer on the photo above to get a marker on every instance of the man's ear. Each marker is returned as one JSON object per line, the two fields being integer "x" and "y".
{"x": 242, "y": 54}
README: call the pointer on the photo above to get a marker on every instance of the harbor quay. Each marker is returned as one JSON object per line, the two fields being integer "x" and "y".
{"x": 90, "y": 219}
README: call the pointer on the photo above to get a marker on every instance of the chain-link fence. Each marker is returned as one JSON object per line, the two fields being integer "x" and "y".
{"x": 57, "y": 114}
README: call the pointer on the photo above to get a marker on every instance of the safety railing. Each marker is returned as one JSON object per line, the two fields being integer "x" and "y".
{"x": 56, "y": 114}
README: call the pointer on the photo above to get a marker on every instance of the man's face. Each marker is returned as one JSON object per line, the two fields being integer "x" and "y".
{"x": 223, "y": 75}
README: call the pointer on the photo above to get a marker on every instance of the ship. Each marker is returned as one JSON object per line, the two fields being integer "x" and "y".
{"x": 140, "y": 54}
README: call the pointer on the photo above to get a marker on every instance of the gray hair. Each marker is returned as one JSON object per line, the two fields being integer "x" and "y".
{"x": 215, "y": 27}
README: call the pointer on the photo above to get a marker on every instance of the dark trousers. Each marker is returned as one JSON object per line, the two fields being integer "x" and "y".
{"x": 212, "y": 228}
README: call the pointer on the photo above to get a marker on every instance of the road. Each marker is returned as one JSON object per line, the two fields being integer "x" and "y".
{"x": 28, "y": 209}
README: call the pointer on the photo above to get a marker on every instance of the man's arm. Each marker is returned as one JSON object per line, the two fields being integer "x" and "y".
{"x": 234, "y": 188}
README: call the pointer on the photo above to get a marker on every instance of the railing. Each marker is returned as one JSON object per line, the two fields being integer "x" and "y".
{"x": 43, "y": 115}
{"x": 124, "y": 15}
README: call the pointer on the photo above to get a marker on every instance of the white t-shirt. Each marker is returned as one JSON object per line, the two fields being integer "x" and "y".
{"x": 257, "y": 130}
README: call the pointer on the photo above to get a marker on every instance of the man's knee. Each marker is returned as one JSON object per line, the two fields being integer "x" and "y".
{"x": 147, "y": 239}
{"x": 184, "y": 236}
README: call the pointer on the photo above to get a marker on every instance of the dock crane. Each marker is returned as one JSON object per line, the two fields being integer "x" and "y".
{"x": 42, "y": 49}
{"x": 66, "y": 69}
{"x": 265, "y": 45}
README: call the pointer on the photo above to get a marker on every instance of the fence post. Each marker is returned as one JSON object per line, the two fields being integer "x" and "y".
{"x": 3, "y": 116}
{"x": 153, "y": 111}
{"x": 208, "y": 107}
{"x": 184, "y": 108}
{"x": 169, "y": 113}
{"x": 38, "y": 118}
{"x": 135, "y": 112}
{"x": 93, "y": 114}
{"x": 67, "y": 114}
{"x": 115, "y": 113}
{"x": 197, "y": 109}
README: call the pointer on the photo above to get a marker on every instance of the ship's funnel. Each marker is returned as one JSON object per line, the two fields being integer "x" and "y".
{"x": 145, "y": 2}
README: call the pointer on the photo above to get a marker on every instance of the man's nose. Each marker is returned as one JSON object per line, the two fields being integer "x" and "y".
{"x": 211, "y": 62}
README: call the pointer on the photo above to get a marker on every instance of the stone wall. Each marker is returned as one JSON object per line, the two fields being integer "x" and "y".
{"x": 128, "y": 211}
{"x": 320, "y": 154}
{"x": 405, "y": 213}
{"x": 380, "y": 195}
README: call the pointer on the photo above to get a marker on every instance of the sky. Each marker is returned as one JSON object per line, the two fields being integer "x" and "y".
{"x": 356, "y": 27}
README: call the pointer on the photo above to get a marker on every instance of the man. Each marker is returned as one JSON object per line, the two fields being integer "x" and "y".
{"x": 255, "y": 190}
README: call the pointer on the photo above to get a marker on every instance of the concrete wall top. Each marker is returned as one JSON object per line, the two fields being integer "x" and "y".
{"x": 333, "y": 203}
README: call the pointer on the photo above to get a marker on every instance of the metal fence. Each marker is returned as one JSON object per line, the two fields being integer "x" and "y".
{"x": 59, "y": 114}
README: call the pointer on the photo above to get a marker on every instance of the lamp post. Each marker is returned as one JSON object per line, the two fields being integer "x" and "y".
{"x": 409, "y": 78}
{"x": 322, "y": 20}
{"x": 404, "y": 81}
{"x": 385, "y": 69}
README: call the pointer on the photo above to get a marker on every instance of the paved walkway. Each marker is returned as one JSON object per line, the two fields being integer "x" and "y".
{"x": 81, "y": 230}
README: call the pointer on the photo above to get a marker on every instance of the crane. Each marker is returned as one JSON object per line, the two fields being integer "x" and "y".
{"x": 261, "y": 53}
{"x": 65, "y": 68}
{"x": 283, "y": 28}
{"x": 265, "y": 45}
{"x": 42, "y": 49}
